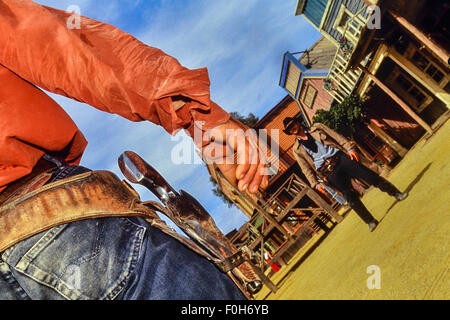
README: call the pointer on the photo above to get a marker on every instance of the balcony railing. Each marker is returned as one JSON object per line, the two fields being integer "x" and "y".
{"x": 342, "y": 80}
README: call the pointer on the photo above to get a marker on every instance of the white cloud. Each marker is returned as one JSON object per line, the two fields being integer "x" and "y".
{"x": 241, "y": 43}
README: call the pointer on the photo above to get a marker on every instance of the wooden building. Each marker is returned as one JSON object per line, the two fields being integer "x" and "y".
{"x": 304, "y": 79}
{"x": 395, "y": 52}
{"x": 397, "y": 55}
{"x": 285, "y": 215}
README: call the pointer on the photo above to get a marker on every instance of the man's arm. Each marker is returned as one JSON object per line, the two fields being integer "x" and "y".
{"x": 348, "y": 145}
{"x": 104, "y": 67}
{"x": 307, "y": 170}
{"x": 110, "y": 70}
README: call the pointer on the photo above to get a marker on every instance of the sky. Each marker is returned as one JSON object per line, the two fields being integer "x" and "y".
{"x": 240, "y": 42}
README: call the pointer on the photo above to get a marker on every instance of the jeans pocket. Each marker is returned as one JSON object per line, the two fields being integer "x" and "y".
{"x": 89, "y": 259}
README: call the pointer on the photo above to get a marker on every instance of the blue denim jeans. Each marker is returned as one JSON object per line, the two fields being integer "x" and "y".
{"x": 108, "y": 258}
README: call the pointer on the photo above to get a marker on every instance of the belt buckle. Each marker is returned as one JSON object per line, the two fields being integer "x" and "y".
{"x": 327, "y": 166}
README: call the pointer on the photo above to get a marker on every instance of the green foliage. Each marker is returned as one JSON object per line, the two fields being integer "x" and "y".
{"x": 249, "y": 120}
{"x": 344, "y": 117}
{"x": 217, "y": 192}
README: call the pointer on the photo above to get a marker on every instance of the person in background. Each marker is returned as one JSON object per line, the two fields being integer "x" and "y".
{"x": 322, "y": 152}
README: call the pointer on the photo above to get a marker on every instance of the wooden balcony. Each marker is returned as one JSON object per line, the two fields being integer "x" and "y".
{"x": 342, "y": 80}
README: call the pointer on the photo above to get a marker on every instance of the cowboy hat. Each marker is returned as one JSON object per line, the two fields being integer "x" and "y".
{"x": 288, "y": 122}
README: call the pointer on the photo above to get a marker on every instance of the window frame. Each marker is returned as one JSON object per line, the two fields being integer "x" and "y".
{"x": 305, "y": 95}
{"x": 409, "y": 54}
{"x": 405, "y": 93}
{"x": 343, "y": 11}
{"x": 292, "y": 78}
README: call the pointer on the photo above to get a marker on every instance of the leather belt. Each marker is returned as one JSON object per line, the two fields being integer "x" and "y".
{"x": 93, "y": 194}
{"x": 329, "y": 164}
{"x": 35, "y": 179}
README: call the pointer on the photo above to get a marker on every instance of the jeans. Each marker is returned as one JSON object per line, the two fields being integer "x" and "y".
{"x": 108, "y": 258}
{"x": 340, "y": 180}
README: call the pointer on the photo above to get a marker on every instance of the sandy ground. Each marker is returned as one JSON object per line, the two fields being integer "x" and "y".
{"x": 407, "y": 255}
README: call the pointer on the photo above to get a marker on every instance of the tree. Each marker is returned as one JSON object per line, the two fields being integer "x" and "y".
{"x": 345, "y": 117}
{"x": 249, "y": 121}
{"x": 218, "y": 193}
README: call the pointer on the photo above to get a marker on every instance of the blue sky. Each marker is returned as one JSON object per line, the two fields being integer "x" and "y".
{"x": 241, "y": 42}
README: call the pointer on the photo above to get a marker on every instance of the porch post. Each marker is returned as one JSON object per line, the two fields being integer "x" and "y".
{"x": 389, "y": 140}
{"x": 397, "y": 99}
{"x": 440, "y": 52}
{"x": 419, "y": 76}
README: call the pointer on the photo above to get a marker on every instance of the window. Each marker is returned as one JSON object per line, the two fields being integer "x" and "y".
{"x": 310, "y": 96}
{"x": 403, "y": 83}
{"x": 420, "y": 61}
{"x": 407, "y": 89}
{"x": 344, "y": 19}
{"x": 292, "y": 78}
{"x": 314, "y": 10}
{"x": 434, "y": 73}
{"x": 417, "y": 95}
{"x": 424, "y": 64}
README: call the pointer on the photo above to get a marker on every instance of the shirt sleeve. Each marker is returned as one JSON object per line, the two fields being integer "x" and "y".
{"x": 308, "y": 172}
{"x": 104, "y": 67}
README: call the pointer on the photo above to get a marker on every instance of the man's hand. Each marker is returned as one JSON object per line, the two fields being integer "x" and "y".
{"x": 354, "y": 155}
{"x": 248, "y": 170}
{"x": 321, "y": 189}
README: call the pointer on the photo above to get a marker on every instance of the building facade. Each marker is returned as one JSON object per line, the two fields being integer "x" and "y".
{"x": 394, "y": 52}
{"x": 288, "y": 213}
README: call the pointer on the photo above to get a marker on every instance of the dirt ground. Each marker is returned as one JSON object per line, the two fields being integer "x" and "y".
{"x": 406, "y": 257}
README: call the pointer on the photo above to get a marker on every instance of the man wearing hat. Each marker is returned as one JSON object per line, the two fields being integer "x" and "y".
{"x": 322, "y": 152}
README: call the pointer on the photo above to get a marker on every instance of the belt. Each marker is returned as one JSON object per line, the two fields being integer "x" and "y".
{"x": 329, "y": 164}
{"x": 40, "y": 174}
{"x": 96, "y": 194}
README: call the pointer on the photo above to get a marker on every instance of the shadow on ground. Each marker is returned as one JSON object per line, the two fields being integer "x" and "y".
{"x": 306, "y": 255}
{"x": 317, "y": 244}
{"x": 409, "y": 188}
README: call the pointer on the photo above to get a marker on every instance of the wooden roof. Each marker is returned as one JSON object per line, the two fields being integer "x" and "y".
{"x": 320, "y": 55}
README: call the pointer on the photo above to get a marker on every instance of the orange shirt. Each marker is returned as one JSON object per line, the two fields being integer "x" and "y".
{"x": 97, "y": 64}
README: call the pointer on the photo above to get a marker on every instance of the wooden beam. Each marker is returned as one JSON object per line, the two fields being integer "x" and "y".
{"x": 397, "y": 99}
{"x": 271, "y": 220}
{"x": 266, "y": 214}
{"x": 440, "y": 52}
{"x": 323, "y": 204}
{"x": 422, "y": 77}
{"x": 291, "y": 204}
{"x": 272, "y": 287}
{"x": 280, "y": 252}
{"x": 388, "y": 140}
